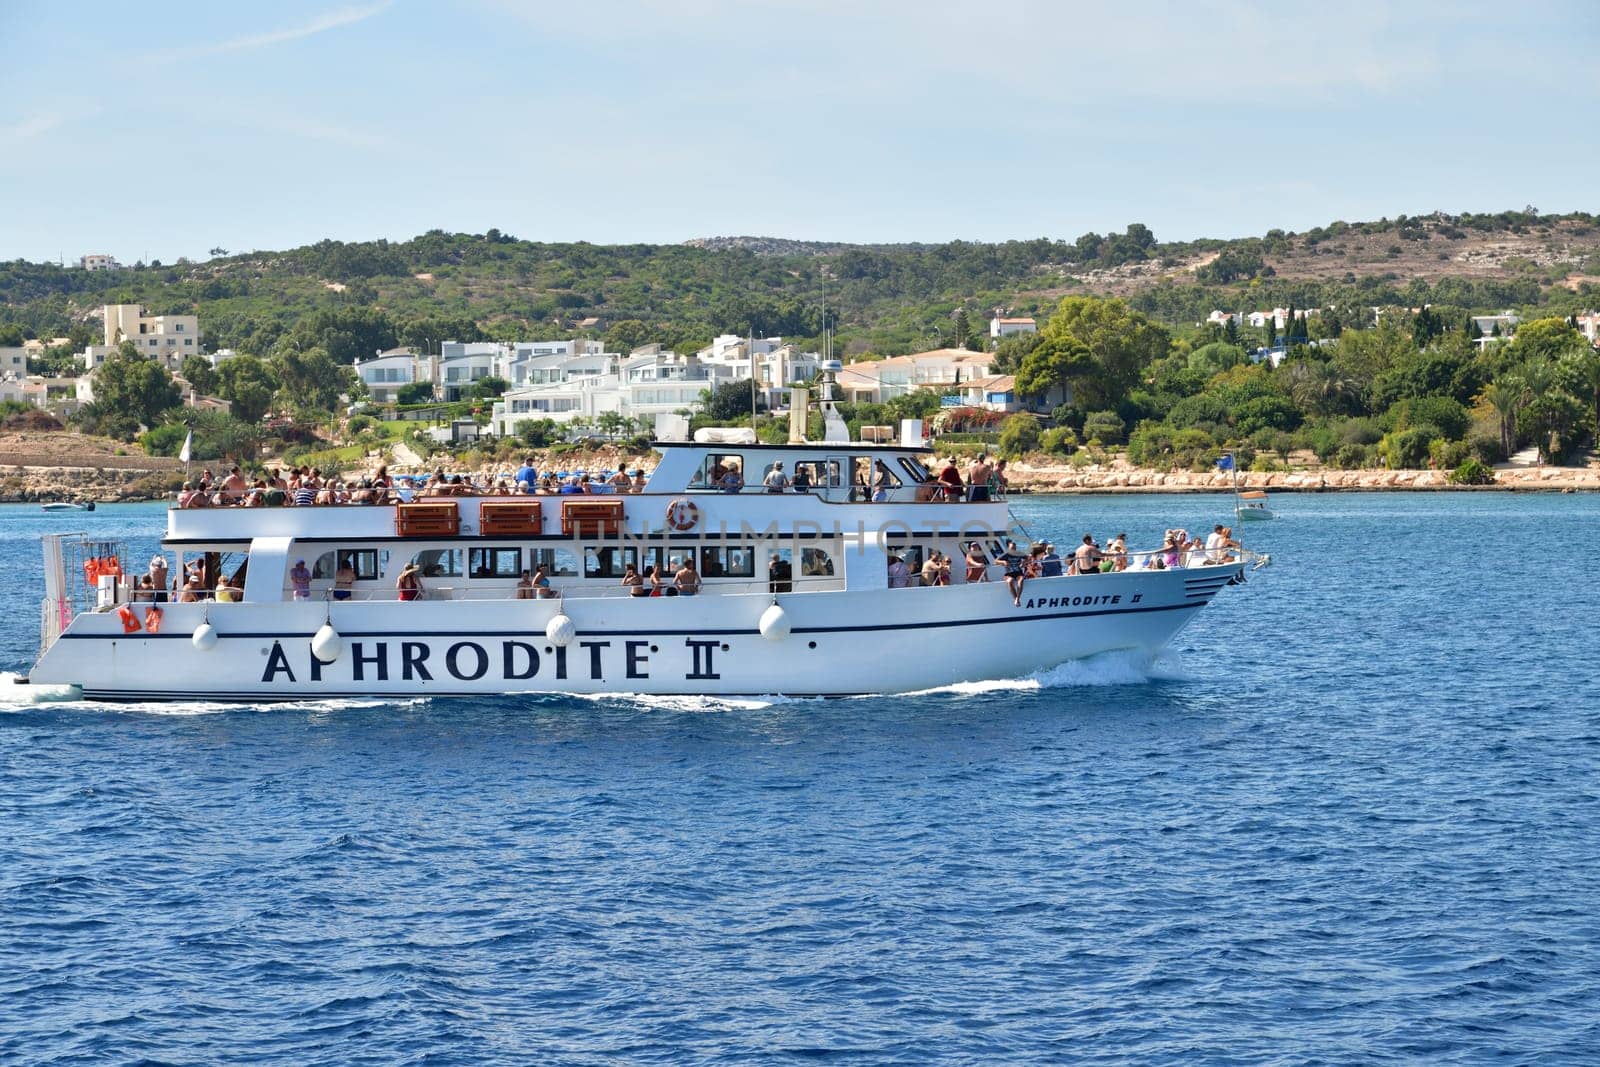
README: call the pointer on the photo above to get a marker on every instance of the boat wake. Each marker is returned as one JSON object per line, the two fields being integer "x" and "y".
{"x": 1106, "y": 669}
{"x": 17, "y": 695}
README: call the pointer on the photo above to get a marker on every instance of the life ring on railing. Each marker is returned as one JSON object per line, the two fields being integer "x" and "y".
{"x": 152, "y": 620}
{"x": 683, "y": 514}
{"x": 130, "y": 619}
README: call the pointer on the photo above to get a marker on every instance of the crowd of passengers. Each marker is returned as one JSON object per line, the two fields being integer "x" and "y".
{"x": 306, "y": 486}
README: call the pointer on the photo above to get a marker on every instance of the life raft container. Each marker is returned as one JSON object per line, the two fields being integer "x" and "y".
{"x": 683, "y": 514}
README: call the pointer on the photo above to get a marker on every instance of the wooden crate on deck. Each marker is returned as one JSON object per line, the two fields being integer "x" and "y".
{"x": 436, "y": 518}
{"x": 591, "y": 518}
{"x": 510, "y": 518}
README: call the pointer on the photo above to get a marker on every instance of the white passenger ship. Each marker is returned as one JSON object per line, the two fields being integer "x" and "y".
{"x": 796, "y": 593}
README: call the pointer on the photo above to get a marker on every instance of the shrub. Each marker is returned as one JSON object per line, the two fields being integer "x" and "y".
{"x": 1448, "y": 454}
{"x": 1408, "y": 449}
{"x": 1471, "y": 472}
{"x": 1019, "y": 434}
{"x": 1486, "y": 447}
{"x": 1060, "y": 441}
{"x": 1105, "y": 426}
{"x": 1360, "y": 432}
{"x": 1441, "y": 411}
{"x": 1353, "y": 457}
{"x": 34, "y": 420}
{"x": 1267, "y": 413}
{"x": 359, "y": 423}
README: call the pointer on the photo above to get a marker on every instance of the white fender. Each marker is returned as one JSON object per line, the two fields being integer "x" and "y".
{"x": 326, "y": 644}
{"x": 775, "y": 624}
{"x": 205, "y": 637}
{"x": 561, "y": 630}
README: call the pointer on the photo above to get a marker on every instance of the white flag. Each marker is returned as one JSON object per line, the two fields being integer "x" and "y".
{"x": 188, "y": 442}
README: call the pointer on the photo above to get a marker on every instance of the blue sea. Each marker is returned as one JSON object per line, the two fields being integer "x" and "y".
{"x": 1352, "y": 818}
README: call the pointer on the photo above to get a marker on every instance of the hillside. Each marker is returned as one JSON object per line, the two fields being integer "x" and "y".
{"x": 882, "y": 298}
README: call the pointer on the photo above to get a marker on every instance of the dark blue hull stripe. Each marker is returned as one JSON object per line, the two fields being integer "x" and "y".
{"x": 347, "y": 634}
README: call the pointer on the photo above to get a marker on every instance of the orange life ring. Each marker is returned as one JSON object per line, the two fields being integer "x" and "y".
{"x": 152, "y": 620}
{"x": 130, "y": 620}
{"x": 683, "y": 514}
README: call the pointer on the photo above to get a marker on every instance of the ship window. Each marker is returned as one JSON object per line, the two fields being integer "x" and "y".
{"x": 608, "y": 562}
{"x": 914, "y": 556}
{"x": 818, "y": 473}
{"x": 364, "y": 561}
{"x": 885, "y": 478}
{"x": 557, "y": 562}
{"x": 725, "y": 562}
{"x": 495, "y": 562}
{"x": 716, "y": 465}
{"x": 815, "y": 563}
{"x": 439, "y": 562}
{"x": 918, "y": 472}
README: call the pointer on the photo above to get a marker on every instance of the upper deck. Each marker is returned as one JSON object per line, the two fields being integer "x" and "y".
{"x": 838, "y": 483}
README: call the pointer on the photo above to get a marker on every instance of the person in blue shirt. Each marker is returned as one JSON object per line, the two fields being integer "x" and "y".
{"x": 1050, "y": 566}
{"x": 527, "y": 477}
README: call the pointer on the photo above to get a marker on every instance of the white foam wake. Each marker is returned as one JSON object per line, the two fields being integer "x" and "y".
{"x": 1126, "y": 667}
{"x": 16, "y": 695}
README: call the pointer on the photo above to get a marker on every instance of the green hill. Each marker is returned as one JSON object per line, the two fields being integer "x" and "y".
{"x": 884, "y": 299}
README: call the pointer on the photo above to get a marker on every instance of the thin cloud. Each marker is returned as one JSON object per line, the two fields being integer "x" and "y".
{"x": 30, "y": 128}
{"x": 332, "y": 20}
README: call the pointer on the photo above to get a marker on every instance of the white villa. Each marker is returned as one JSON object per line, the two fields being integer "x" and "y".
{"x": 1003, "y": 327}
{"x": 167, "y": 337}
{"x": 876, "y": 381}
{"x": 387, "y": 372}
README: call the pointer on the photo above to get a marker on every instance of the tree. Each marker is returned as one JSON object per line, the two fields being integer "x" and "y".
{"x": 1120, "y": 344}
{"x": 311, "y": 379}
{"x": 200, "y": 374}
{"x": 1055, "y": 362}
{"x": 728, "y": 402}
{"x": 1215, "y": 358}
{"x": 1106, "y": 427}
{"x": 613, "y": 424}
{"x": 1019, "y": 434}
{"x": 489, "y": 388}
{"x": 628, "y": 334}
{"x": 1505, "y": 396}
{"x": 414, "y": 393}
{"x": 137, "y": 388}
{"x": 961, "y": 328}
{"x": 248, "y": 384}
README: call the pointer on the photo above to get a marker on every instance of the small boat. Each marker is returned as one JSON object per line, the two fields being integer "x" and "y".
{"x": 66, "y": 505}
{"x": 1251, "y": 506}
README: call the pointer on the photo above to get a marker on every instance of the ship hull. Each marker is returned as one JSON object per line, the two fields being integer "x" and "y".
{"x": 837, "y": 644}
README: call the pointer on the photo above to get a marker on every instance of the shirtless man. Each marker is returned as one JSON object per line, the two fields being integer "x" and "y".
{"x": 234, "y": 487}
{"x": 978, "y": 480}
{"x": 344, "y": 580}
{"x": 687, "y": 580}
{"x": 1086, "y": 560}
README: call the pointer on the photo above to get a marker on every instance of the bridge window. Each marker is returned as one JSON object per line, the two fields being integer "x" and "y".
{"x": 364, "y": 561}
{"x": 557, "y": 562}
{"x": 439, "y": 562}
{"x": 727, "y": 562}
{"x": 495, "y": 562}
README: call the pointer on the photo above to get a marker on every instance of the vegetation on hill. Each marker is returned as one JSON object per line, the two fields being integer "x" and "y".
{"x": 1359, "y": 385}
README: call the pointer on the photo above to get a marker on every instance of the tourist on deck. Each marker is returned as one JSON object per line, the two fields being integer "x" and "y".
{"x": 1086, "y": 560}
{"x": 300, "y": 580}
{"x": 1016, "y": 572}
{"x": 1215, "y": 549}
{"x": 977, "y": 563}
{"x": 899, "y": 573}
{"x": 344, "y": 579}
{"x": 194, "y": 589}
{"x": 227, "y": 592}
{"x": 687, "y": 581}
{"x": 930, "y": 568}
{"x": 732, "y": 480}
{"x": 652, "y": 581}
{"x": 776, "y": 481}
{"x": 801, "y": 482}
{"x": 638, "y": 481}
{"x": 950, "y": 480}
{"x": 978, "y": 480}
{"x": 158, "y": 577}
{"x": 541, "y": 583}
{"x": 526, "y": 474}
{"x": 525, "y": 587}
{"x": 632, "y": 580}
{"x": 1050, "y": 565}
{"x": 999, "y": 483}
{"x": 780, "y": 575}
{"x": 408, "y": 586}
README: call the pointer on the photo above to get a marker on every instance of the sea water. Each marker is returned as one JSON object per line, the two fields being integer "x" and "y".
{"x": 1351, "y": 818}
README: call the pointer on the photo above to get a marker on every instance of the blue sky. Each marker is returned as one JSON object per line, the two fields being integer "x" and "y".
{"x": 160, "y": 130}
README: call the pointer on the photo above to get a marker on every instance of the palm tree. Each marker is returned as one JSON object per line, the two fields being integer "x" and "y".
{"x": 1505, "y": 395}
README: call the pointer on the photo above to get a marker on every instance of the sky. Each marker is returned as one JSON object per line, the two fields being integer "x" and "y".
{"x": 159, "y": 130}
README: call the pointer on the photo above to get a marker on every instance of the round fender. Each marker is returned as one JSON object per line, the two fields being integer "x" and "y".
{"x": 326, "y": 644}
{"x": 561, "y": 630}
{"x": 775, "y": 624}
{"x": 205, "y": 637}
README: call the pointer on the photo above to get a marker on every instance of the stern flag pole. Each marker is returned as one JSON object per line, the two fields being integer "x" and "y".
{"x": 187, "y": 452}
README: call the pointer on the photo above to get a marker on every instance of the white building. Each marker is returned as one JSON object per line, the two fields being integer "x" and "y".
{"x": 876, "y": 381}
{"x": 23, "y": 390}
{"x": 386, "y": 373}
{"x": 167, "y": 337}
{"x": 775, "y": 365}
{"x": 99, "y": 262}
{"x": 14, "y": 361}
{"x": 648, "y": 382}
{"x": 1589, "y": 326}
{"x": 1002, "y": 327}
{"x": 461, "y": 364}
{"x": 1222, "y": 318}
